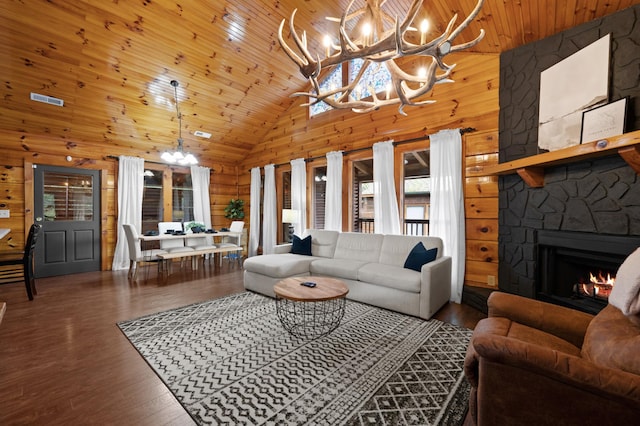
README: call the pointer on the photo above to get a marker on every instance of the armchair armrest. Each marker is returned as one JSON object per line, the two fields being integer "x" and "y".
{"x": 568, "y": 324}
{"x": 511, "y": 364}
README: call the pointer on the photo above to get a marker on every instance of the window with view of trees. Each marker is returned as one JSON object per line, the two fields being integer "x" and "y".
{"x": 375, "y": 75}
{"x": 416, "y": 193}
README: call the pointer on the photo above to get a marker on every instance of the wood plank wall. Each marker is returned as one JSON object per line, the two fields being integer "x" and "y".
{"x": 481, "y": 211}
{"x": 16, "y": 194}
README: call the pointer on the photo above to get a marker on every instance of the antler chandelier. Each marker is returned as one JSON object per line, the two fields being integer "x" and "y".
{"x": 382, "y": 40}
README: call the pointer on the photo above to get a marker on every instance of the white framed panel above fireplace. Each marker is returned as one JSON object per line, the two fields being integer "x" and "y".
{"x": 577, "y": 83}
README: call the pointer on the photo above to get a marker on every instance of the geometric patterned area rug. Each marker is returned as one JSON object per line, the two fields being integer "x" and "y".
{"x": 230, "y": 361}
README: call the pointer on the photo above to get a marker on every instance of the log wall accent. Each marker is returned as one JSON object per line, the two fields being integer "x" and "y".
{"x": 481, "y": 211}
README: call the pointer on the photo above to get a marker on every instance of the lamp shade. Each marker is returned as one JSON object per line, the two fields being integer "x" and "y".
{"x": 290, "y": 216}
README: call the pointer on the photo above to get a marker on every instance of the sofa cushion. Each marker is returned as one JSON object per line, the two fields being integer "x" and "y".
{"x": 419, "y": 256}
{"x": 626, "y": 291}
{"x": 396, "y": 248}
{"x": 339, "y": 268}
{"x": 613, "y": 341}
{"x": 390, "y": 276}
{"x": 323, "y": 242}
{"x": 301, "y": 245}
{"x": 358, "y": 246}
{"x": 278, "y": 265}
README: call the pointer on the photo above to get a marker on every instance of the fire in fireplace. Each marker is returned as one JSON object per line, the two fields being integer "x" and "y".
{"x": 598, "y": 286}
{"x": 578, "y": 269}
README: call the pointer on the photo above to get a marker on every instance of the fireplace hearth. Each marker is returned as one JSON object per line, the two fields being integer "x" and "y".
{"x": 573, "y": 267}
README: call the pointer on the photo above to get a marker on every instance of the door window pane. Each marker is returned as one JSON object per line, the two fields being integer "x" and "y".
{"x": 67, "y": 197}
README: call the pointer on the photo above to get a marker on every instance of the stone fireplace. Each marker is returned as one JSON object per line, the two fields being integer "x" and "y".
{"x": 597, "y": 199}
{"x": 577, "y": 269}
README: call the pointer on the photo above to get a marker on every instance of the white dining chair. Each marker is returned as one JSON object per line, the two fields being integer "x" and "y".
{"x": 176, "y": 245}
{"x": 200, "y": 243}
{"x": 233, "y": 241}
{"x": 136, "y": 254}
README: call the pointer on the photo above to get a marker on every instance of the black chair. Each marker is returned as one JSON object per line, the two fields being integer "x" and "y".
{"x": 16, "y": 266}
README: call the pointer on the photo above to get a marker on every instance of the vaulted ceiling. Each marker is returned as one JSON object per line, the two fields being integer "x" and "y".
{"x": 112, "y": 61}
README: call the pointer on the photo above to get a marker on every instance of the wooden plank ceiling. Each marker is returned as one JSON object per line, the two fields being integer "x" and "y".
{"x": 111, "y": 63}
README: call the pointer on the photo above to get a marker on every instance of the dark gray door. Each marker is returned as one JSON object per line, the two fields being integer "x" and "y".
{"x": 67, "y": 204}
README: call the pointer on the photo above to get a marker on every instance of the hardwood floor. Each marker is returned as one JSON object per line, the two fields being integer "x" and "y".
{"x": 63, "y": 360}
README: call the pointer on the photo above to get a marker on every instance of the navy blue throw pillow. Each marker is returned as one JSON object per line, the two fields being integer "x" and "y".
{"x": 419, "y": 256}
{"x": 301, "y": 245}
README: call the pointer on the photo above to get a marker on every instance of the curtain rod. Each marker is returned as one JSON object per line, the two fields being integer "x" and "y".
{"x": 115, "y": 157}
{"x": 420, "y": 138}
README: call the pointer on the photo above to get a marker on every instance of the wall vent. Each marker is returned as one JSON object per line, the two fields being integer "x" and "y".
{"x": 202, "y": 134}
{"x": 46, "y": 99}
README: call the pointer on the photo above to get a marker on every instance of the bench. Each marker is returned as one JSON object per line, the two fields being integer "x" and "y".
{"x": 195, "y": 253}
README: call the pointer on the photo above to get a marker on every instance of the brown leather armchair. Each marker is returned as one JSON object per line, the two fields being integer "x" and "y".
{"x": 534, "y": 363}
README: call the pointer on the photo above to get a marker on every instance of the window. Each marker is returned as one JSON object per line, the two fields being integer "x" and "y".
{"x": 182, "y": 195}
{"x": 152, "y": 200}
{"x": 319, "y": 193}
{"x": 333, "y": 81}
{"x": 170, "y": 188}
{"x": 366, "y": 200}
{"x": 375, "y": 75}
{"x": 362, "y": 196}
{"x": 417, "y": 193}
{"x": 67, "y": 197}
{"x": 287, "y": 228}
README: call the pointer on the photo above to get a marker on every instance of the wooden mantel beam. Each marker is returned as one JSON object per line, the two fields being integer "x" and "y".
{"x": 631, "y": 155}
{"x": 531, "y": 169}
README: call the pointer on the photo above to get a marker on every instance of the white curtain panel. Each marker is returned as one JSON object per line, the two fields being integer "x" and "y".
{"x": 254, "y": 212}
{"x": 130, "y": 190}
{"x": 385, "y": 204}
{"x": 333, "y": 192}
{"x": 299, "y": 194}
{"x": 446, "y": 215}
{"x": 200, "y": 179}
{"x": 269, "y": 214}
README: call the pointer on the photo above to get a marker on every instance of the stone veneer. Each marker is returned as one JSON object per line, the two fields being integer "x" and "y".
{"x": 600, "y": 196}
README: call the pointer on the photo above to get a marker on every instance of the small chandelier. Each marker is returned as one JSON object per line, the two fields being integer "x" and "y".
{"x": 382, "y": 41}
{"x": 178, "y": 156}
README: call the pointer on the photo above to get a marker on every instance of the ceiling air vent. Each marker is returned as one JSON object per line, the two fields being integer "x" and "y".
{"x": 46, "y": 99}
{"x": 202, "y": 134}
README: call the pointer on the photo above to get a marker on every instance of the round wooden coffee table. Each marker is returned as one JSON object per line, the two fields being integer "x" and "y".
{"x": 310, "y": 312}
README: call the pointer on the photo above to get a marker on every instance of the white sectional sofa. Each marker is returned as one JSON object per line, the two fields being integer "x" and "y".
{"x": 372, "y": 266}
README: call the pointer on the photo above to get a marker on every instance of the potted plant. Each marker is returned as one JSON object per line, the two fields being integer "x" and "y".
{"x": 195, "y": 227}
{"x": 235, "y": 209}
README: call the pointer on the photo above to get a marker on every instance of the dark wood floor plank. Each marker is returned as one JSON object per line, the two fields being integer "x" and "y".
{"x": 63, "y": 360}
